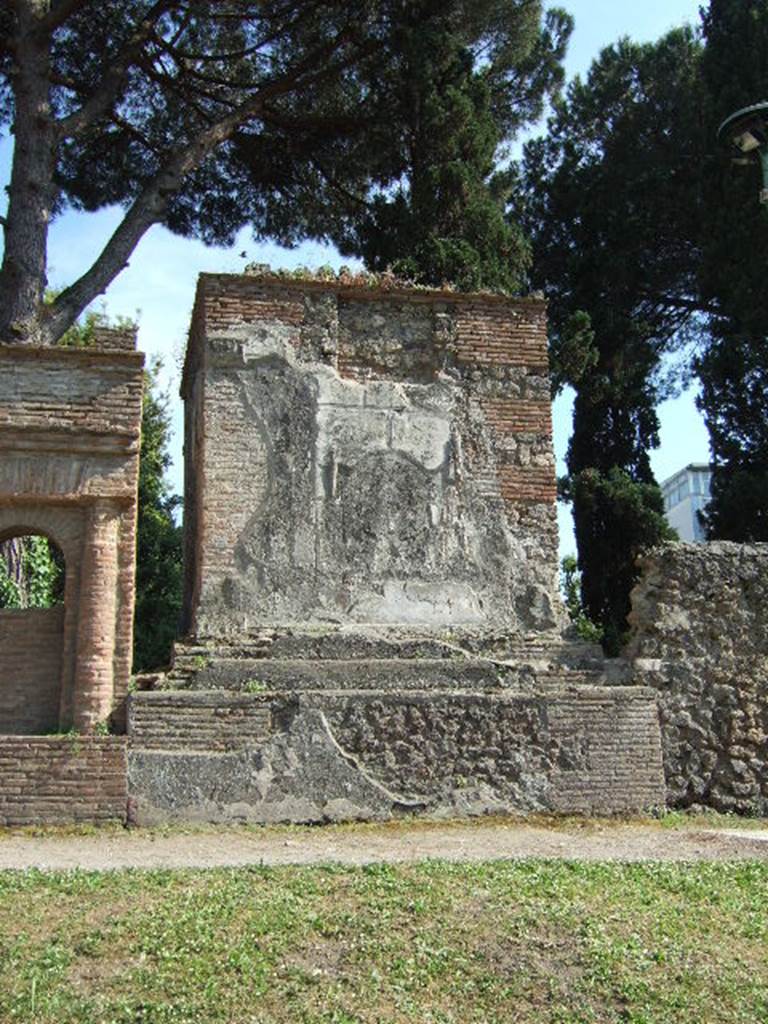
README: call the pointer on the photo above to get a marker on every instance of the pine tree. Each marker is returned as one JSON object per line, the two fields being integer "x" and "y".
{"x": 444, "y": 222}
{"x": 611, "y": 205}
{"x": 203, "y": 116}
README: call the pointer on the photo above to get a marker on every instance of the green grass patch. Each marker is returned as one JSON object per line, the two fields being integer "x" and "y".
{"x": 433, "y": 943}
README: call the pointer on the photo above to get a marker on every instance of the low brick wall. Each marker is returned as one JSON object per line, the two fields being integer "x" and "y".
{"x": 31, "y": 643}
{"x": 201, "y": 721}
{"x": 58, "y": 780}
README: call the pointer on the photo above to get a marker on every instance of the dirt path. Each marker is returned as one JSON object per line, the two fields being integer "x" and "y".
{"x": 232, "y": 847}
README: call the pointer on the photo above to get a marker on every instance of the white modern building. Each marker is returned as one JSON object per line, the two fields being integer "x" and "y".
{"x": 685, "y": 494}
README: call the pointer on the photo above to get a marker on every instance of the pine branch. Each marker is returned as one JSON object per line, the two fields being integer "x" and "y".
{"x": 104, "y": 96}
{"x": 151, "y": 204}
{"x": 58, "y": 14}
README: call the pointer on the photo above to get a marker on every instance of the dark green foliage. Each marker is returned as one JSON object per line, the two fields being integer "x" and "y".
{"x": 31, "y": 573}
{"x": 208, "y": 117}
{"x": 570, "y": 587}
{"x": 734, "y": 398}
{"x": 460, "y": 92}
{"x": 158, "y": 548}
{"x": 204, "y": 60}
{"x": 611, "y": 205}
{"x": 733, "y": 369}
{"x": 615, "y": 519}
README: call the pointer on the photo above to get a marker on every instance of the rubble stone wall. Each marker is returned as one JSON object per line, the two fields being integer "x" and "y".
{"x": 366, "y": 755}
{"x": 700, "y": 638}
{"x": 358, "y": 455}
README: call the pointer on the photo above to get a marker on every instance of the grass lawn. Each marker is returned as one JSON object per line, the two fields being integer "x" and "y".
{"x": 532, "y": 941}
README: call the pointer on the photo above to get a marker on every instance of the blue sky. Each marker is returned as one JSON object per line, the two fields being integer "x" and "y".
{"x": 159, "y": 283}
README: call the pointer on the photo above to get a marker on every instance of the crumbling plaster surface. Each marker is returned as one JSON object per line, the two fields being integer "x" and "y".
{"x": 700, "y": 638}
{"x": 359, "y": 501}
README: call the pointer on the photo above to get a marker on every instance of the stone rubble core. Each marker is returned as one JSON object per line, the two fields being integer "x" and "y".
{"x": 700, "y": 640}
{"x": 371, "y": 612}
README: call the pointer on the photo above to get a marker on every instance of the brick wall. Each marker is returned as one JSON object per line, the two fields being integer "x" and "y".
{"x": 115, "y": 339}
{"x": 502, "y": 333}
{"x": 79, "y": 390}
{"x": 197, "y": 721}
{"x": 31, "y": 649}
{"x": 70, "y": 425}
{"x": 59, "y": 780}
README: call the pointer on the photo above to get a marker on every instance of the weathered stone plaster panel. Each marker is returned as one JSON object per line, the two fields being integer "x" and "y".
{"x": 350, "y": 467}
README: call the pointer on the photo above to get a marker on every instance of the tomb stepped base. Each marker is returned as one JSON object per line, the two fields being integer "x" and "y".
{"x": 298, "y": 726}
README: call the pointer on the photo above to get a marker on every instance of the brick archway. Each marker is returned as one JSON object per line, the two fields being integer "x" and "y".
{"x": 69, "y": 451}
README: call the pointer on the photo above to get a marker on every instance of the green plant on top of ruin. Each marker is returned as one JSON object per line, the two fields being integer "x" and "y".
{"x": 255, "y": 686}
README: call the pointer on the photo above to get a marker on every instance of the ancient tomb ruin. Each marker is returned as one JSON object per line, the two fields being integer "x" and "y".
{"x": 359, "y": 457}
{"x": 69, "y": 456}
{"x": 371, "y": 605}
{"x": 371, "y": 619}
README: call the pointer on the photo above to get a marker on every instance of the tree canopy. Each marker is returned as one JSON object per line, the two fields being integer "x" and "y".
{"x": 203, "y": 116}
{"x": 733, "y": 365}
{"x": 458, "y": 107}
{"x": 612, "y": 206}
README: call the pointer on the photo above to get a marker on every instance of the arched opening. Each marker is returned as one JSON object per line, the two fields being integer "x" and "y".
{"x": 32, "y": 582}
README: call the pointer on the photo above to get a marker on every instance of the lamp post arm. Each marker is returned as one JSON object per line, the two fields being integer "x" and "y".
{"x": 763, "y": 155}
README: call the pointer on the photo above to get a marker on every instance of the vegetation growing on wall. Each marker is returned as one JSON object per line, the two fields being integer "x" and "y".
{"x": 31, "y": 573}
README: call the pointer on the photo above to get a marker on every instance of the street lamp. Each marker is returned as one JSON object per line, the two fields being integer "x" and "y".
{"x": 747, "y": 130}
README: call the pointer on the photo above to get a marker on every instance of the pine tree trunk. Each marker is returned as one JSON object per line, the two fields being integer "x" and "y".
{"x": 12, "y": 561}
{"x": 31, "y": 190}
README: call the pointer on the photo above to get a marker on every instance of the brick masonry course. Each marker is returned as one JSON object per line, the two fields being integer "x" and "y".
{"x": 58, "y": 780}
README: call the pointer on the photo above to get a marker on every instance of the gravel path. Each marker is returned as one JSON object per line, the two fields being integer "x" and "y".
{"x": 234, "y": 847}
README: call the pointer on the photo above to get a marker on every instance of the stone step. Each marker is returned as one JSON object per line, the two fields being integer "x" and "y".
{"x": 373, "y": 644}
{"x": 248, "y": 675}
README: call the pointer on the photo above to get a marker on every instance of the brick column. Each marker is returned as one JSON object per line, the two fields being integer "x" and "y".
{"x": 94, "y": 679}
